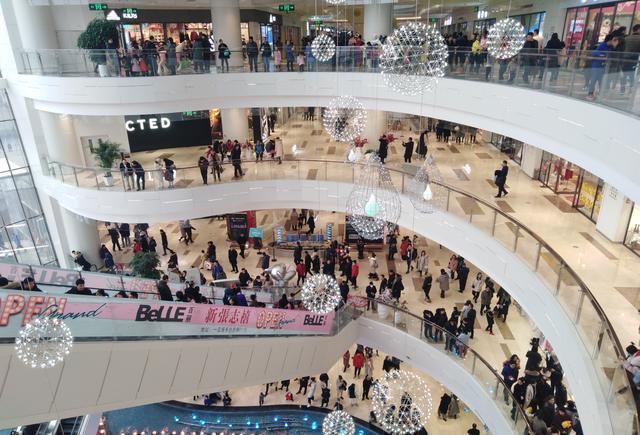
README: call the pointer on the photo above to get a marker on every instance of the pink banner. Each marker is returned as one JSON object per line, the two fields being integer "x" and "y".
{"x": 28, "y": 306}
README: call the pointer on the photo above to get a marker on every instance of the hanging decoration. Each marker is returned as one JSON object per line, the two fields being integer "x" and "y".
{"x": 323, "y": 48}
{"x": 43, "y": 342}
{"x": 320, "y": 294}
{"x": 425, "y": 189}
{"x": 335, "y": 2}
{"x": 373, "y": 201}
{"x": 413, "y": 57}
{"x": 344, "y": 119}
{"x": 506, "y": 38}
{"x": 338, "y": 423}
{"x": 401, "y": 402}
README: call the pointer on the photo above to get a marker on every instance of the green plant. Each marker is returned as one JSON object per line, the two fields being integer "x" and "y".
{"x": 145, "y": 265}
{"x": 107, "y": 153}
{"x": 96, "y": 36}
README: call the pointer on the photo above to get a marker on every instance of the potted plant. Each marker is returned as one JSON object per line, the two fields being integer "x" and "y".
{"x": 106, "y": 153}
{"x": 95, "y": 38}
{"x": 145, "y": 265}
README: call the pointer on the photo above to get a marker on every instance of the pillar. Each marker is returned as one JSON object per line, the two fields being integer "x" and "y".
{"x": 376, "y": 126}
{"x": 36, "y": 26}
{"x": 77, "y": 233}
{"x": 235, "y": 124}
{"x": 60, "y": 136}
{"x": 531, "y": 158}
{"x": 225, "y": 19}
{"x": 378, "y": 16}
{"x": 614, "y": 214}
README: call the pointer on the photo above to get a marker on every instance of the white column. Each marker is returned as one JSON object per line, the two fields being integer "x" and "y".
{"x": 36, "y": 28}
{"x": 225, "y": 19}
{"x": 77, "y": 233}
{"x": 531, "y": 158}
{"x": 376, "y": 126}
{"x": 60, "y": 137}
{"x": 614, "y": 214}
{"x": 70, "y": 21}
{"x": 235, "y": 125}
{"x": 378, "y": 16}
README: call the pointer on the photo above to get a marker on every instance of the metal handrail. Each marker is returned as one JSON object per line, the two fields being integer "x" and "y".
{"x": 564, "y": 266}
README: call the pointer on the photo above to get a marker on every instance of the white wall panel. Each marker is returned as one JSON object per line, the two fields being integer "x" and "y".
{"x": 291, "y": 359}
{"x": 215, "y": 368}
{"x": 260, "y": 355}
{"x": 276, "y": 362}
{"x": 238, "y": 364}
{"x": 79, "y": 386}
{"x": 190, "y": 366}
{"x": 122, "y": 379}
{"x": 159, "y": 371}
{"x": 599, "y": 139}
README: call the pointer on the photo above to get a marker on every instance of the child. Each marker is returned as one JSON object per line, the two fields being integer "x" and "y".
{"x": 300, "y": 62}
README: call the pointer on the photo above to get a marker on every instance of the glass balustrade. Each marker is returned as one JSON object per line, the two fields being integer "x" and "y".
{"x": 573, "y": 74}
{"x": 564, "y": 283}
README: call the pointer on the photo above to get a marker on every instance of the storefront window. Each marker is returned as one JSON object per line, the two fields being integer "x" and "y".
{"x": 632, "y": 238}
{"x": 531, "y": 22}
{"x": 624, "y": 15}
{"x": 509, "y": 146}
{"x": 558, "y": 174}
{"x": 585, "y": 27}
{"x": 636, "y": 15}
{"x": 589, "y": 197}
{"x": 153, "y": 29}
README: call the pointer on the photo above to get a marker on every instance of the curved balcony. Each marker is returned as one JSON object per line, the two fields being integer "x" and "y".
{"x": 598, "y": 139}
{"x": 497, "y": 243}
{"x": 143, "y": 349}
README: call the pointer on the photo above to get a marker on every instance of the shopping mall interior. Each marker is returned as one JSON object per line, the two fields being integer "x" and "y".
{"x": 404, "y": 217}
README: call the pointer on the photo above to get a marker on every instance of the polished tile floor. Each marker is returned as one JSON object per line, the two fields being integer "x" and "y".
{"x": 608, "y": 269}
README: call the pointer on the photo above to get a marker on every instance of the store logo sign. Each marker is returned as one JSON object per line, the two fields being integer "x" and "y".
{"x": 272, "y": 18}
{"x": 150, "y": 124}
{"x": 113, "y": 15}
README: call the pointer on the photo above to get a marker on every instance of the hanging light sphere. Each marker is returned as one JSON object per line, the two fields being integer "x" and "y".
{"x": 373, "y": 201}
{"x": 505, "y": 39}
{"x": 338, "y": 423}
{"x": 425, "y": 189}
{"x": 335, "y": 2}
{"x": 413, "y": 57}
{"x": 323, "y": 48}
{"x": 344, "y": 119}
{"x": 320, "y": 294}
{"x": 43, "y": 342}
{"x": 401, "y": 402}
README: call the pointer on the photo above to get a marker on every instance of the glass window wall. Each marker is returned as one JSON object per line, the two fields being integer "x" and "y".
{"x": 587, "y": 26}
{"x": 507, "y": 145}
{"x": 589, "y": 197}
{"x": 558, "y": 174}
{"x": 532, "y": 21}
{"x": 632, "y": 237}
{"x": 24, "y": 236}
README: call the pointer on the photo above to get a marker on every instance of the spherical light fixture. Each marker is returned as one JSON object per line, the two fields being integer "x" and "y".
{"x": 401, "y": 402}
{"x": 323, "y": 48}
{"x": 43, "y": 342}
{"x": 413, "y": 57}
{"x": 373, "y": 201}
{"x": 344, "y": 119}
{"x": 335, "y": 2}
{"x": 505, "y": 39}
{"x": 320, "y": 294}
{"x": 338, "y": 423}
{"x": 425, "y": 189}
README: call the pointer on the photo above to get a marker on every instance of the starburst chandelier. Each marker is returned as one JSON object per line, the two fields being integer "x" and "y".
{"x": 43, "y": 342}
{"x": 320, "y": 294}
{"x": 338, "y": 423}
{"x": 425, "y": 189}
{"x": 413, "y": 57}
{"x": 505, "y": 39}
{"x": 401, "y": 402}
{"x": 335, "y": 2}
{"x": 323, "y": 48}
{"x": 373, "y": 201}
{"x": 344, "y": 119}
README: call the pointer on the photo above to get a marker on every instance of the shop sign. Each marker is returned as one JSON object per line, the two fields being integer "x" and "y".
{"x": 272, "y": 18}
{"x": 129, "y": 13}
{"x": 98, "y": 6}
{"x": 149, "y": 123}
{"x": 287, "y": 8}
{"x": 255, "y": 232}
{"x": 113, "y": 15}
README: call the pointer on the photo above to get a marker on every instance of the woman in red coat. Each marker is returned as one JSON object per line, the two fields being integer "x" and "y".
{"x": 355, "y": 269}
{"x": 358, "y": 363}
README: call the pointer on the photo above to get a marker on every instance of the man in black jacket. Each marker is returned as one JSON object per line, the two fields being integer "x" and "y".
{"x": 236, "y": 159}
{"x": 233, "y": 259}
{"x": 79, "y": 289}
{"x": 252, "y": 54}
{"x": 501, "y": 179}
{"x": 163, "y": 289}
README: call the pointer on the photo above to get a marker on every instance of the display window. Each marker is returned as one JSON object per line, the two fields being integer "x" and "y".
{"x": 558, "y": 174}
{"x": 153, "y": 29}
{"x": 632, "y": 237}
{"x": 588, "y": 200}
{"x": 531, "y": 22}
{"x": 585, "y": 27}
{"x": 132, "y": 33}
{"x": 509, "y": 146}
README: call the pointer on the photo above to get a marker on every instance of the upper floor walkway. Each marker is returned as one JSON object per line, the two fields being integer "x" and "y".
{"x": 550, "y": 113}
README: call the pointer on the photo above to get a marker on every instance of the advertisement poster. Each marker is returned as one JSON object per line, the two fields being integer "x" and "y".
{"x": 100, "y": 317}
{"x": 215, "y": 122}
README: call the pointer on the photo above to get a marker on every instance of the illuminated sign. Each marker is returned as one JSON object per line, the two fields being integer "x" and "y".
{"x": 272, "y": 18}
{"x": 150, "y": 123}
{"x": 287, "y": 8}
{"x": 113, "y": 15}
{"x": 129, "y": 13}
{"x": 98, "y": 6}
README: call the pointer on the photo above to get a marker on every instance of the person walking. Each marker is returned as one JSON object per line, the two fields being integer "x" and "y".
{"x": 224, "y": 54}
{"x": 490, "y": 320}
{"x": 164, "y": 241}
{"x": 265, "y": 49}
{"x": 158, "y": 174}
{"x": 233, "y": 259}
{"x": 115, "y": 236}
{"x": 408, "y": 150}
{"x": 279, "y": 150}
{"x": 203, "y": 164}
{"x": 290, "y": 55}
{"x": 485, "y": 300}
{"x": 476, "y": 287}
{"x": 426, "y": 286}
{"x": 422, "y": 262}
{"x": 383, "y": 148}
{"x": 366, "y": 386}
{"x": 236, "y": 159}
{"x": 126, "y": 171}
{"x": 501, "y": 178}
{"x": 443, "y": 281}
{"x": 312, "y": 391}
{"x": 358, "y": 363}
{"x": 170, "y": 53}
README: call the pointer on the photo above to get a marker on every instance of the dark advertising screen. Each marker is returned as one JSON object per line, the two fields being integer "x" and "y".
{"x": 168, "y": 130}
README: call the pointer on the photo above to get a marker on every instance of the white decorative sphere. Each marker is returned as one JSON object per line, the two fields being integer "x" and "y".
{"x": 401, "y": 402}
{"x": 320, "y": 294}
{"x": 344, "y": 119}
{"x": 425, "y": 189}
{"x": 43, "y": 342}
{"x": 413, "y": 57}
{"x": 505, "y": 39}
{"x": 323, "y": 48}
{"x": 335, "y": 2}
{"x": 338, "y": 423}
